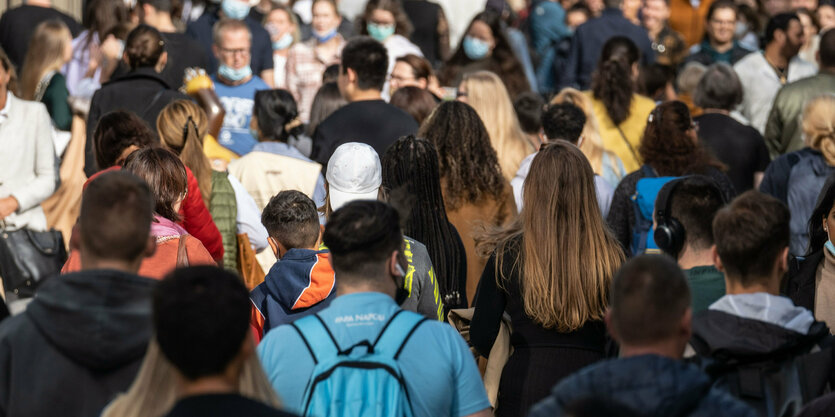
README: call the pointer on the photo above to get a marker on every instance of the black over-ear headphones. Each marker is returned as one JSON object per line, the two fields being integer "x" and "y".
{"x": 669, "y": 233}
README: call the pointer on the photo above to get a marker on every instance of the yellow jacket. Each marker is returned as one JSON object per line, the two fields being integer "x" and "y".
{"x": 632, "y": 128}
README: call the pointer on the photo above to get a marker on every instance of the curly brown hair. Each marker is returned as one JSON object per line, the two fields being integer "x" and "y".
{"x": 468, "y": 164}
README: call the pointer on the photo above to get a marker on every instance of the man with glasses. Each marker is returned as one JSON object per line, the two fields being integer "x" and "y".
{"x": 719, "y": 45}
{"x": 235, "y": 84}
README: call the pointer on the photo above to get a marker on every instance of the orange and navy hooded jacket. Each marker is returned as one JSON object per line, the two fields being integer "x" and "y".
{"x": 301, "y": 283}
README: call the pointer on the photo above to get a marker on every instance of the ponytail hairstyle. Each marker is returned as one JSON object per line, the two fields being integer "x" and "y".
{"x": 612, "y": 82}
{"x": 181, "y": 126}
{"x": 144, "y": 47}
{"x": 669, "y": 147}
{"x": 276, "y": 115}
{"x": 819, "y": 126}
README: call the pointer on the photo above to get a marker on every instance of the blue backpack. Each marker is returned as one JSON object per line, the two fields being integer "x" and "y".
{"x": 643, "y": 203}
{"x": 363, "y": 380}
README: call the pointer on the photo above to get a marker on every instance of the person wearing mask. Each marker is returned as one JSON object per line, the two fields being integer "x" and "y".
{"x": 740, "y": 147}
{"x": 142, "y": 90}
{"x": 437, "y": 368}
{"x": 556, "y": 307}
{"x": 387, "y": 23}
{"x": 366, "y": 118}
{"x": 235, "y": 84}
{"x": 307, "y": 61}
{"x": 783, "y": 133}
{"x": 17, "y": 25}
{"x": 826, "y": 14}
{"x": 668, "y": 44}
{"x": 475, "y": 192}
{"x": 183, "y": 51}
{"x": 258, "y": 51}
{"x": 431, "y": 32}
{"x": 70, "y": 330}
{"x": 588, "y": 46}
{"x": 621, "y": 112}
{"x": 719, "y": 44}
{"x": 485, "y": 47}
{"x": 283, "y": 27}
{"x": 651, "y": 319}
{"x": 684, "y": 212}
{"x": 763, "y": 74}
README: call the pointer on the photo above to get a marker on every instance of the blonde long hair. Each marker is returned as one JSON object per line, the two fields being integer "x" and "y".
{"x": 592, "y": 146}
{"x": 154, "y": 391}
{"x": 45, "y": 54}
{"x": 181, "y": 126}
{"x": 565, "y": 254}
{"x": 487, "y": 94}
{"x": 819, "y": 126}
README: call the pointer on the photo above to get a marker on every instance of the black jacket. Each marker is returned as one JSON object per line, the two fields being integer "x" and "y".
{"x": 800, "y": 280}
{"x": 142, "y": 91}
{"x": 78, "y": 344}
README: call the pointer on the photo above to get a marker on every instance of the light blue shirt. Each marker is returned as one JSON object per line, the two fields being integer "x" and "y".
{"x": 283, "y": 149}
{"x": 441, "y": 375}
{"x": 237, "y": 101}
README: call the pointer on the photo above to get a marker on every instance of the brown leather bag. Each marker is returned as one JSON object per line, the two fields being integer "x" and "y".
{"x": 248, "y": 266}
{"x": 182, "y": 253}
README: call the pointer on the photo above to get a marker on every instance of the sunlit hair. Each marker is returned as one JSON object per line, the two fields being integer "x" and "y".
{"x": 154, "y": 391}
{"x": 818, "y": 123}
{"x": 45, "y": 54}
{"x": 488, "y": 96}
{"x": 592, "y": 146}
{"x": 668, "y": 146}
{"x": 565, "y": 254}
{"x": 181, "y": 126}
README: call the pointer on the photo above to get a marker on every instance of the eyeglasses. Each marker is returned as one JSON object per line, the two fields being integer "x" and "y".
{"x": 459, "y": 93}
{"x": 233, "y": 52}
{"x": 400, "y": 79}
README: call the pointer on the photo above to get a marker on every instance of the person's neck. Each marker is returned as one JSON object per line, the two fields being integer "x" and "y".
{"x": 362, "y": 284}
{"x": 40, "y": 3}
{"x": 667, "y": 348}
{"x": 718, "y": 111}
{"x": 164, "y": 24}
{"x": 734, "y": 286}
{"x": 365, "y": 95}
{"x": 3, "y": 97}
{"x": 691, "y": 258}
{"x": 89, "y": 263}
{"x": 218, "y": 384}
{"x": 722, "y": 47}
{"x": 231, "y": 83}
{"x": 775, "y": 57}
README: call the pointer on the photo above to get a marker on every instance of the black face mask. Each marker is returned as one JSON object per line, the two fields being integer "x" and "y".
{"x": 400, "y": 293}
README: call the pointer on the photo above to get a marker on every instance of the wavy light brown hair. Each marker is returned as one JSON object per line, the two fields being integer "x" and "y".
{"x": 565, "y": 253}
{"x": 45, "y": 54}
{"x": 181, "y": 126}
{"x": 819, "y": 126}
{"x": 670, "y": 145}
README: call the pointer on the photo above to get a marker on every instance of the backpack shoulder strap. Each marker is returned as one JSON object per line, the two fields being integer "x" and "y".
{"x": 317, "y": 337}
{"x": 397, "y": 332}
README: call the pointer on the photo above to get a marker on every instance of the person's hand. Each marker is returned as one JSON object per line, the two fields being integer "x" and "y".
{"x": 112, "y": 48}
{"x": 8, "y": 205}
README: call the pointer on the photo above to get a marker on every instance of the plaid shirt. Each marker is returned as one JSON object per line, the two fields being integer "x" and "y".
{"x": 305, "y": 67}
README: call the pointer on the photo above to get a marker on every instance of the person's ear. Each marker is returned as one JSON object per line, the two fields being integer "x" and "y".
{"x": 686, "y": 324}
{"x": 216, "y": 51}
{"x": 321, "y": 234}
{"x": 125, "y": 58}
{"x": 273, "y": 246}
{"x": 783, "y": 261}
{"x": 580, "y": 141}
{"x": 163, "y": 60}
{"x": 150, "y": 247}
{"x": 717, "y": 261}
{"x": 394, "y": 265}
{"x": 352, "y": 75}
{"x": 75, "y": 238}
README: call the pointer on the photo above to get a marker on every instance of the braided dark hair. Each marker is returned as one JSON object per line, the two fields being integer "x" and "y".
{"x": 612, "y": 81}
{"x": 410, "y": 170}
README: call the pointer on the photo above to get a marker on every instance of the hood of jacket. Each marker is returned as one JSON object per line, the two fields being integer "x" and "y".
{"x": 100, "y": 319}
{"x": 301, "y": 279}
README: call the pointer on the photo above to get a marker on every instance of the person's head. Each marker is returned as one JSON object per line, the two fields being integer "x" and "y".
{"x": 411, "y": 71}
{"x": 469, "y": 167}
{"x": 102, "y": 16}
{"x": 576, "y": 15}
{"x": 181, "y": 126}
{"x": 826, "y": 14}
{"x": 818, "y": 127}
{"x": 670, "y": 144}
{"x": 684, "y": 211}
{"x": 326, "y": 20}
{"x": 689, "y": 77}
{"x": 826, "y": 51}
{"x": 528, "y": 107}
{"x": 275, "y": 116}
{"x": 165, "y": 175}
{"x": 365, "y": 242}
{"x": 630, "y": 9}
{"x": 822, "y": 220}
{"x": 232, "y": 43}
{"x": 650, "y": 307}
{"x": 656, "y": 82}
{"x": 655, "y": 13}
{"x": 292, "y": 222}
{"x": 114, "y": 223}
{"x": 155, "y": 12}
{"x": 117, "y": 135}
{"x": 145, "y": 48}
{"x": 752, "y": 242}
{"x": 804, "y": 4}
{"x": 384, "y": 18}
{"x": 483, "y": 36}
{"x": 784, "y": 32}
{"x": 563, "y": 121}
{"x": 363, "y": 68}
{"x": 8, "y": 75}
{"x": 283, "y": 26}
{"x": 201, "y": 322}
{"x": 719, "y": 88}
{"x": 354, "y": 173}
{"x": 721, "y": 22}
{"x": 809, "y": 23}
{"x": 327, "y": 100}
{"x": 50, "y": 47}
{"x": 613, "y": 81}
{"x": 331, "y": 74}
{"x": 416, "y": 101}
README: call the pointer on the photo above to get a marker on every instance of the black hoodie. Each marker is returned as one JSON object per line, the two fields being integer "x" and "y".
{"x": 79, "y": 343}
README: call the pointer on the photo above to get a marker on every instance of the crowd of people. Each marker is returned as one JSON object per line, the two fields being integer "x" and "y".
{"x": 418, "y": 208}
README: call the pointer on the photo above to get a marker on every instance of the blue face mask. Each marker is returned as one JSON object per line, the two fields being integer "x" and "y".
{"x": 233, "y": 74}
{"x": 235, "y": 9}
{"x": 283, "y": 42}
{"x": 324, "y": 37}
{"x": 380, "y": 32}
{"x": 474, "y": 48}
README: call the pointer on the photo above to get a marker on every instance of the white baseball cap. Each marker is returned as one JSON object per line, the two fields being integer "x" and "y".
{"x": 354, "y": 173}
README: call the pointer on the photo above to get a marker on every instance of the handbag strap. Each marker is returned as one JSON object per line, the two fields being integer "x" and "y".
{"x": 182, "y": 253}
{"x": 628, "y": 144}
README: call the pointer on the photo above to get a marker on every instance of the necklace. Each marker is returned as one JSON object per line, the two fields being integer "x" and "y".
{"x": 783, "y": 73}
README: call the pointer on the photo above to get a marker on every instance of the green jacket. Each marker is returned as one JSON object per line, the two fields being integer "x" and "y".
{"x": 707, "y": 284}
{"x": 224, "y": 210}
{"x": 783, "y": 130}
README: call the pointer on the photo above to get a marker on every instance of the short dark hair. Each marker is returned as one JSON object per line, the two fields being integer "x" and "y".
{"x": 291, "y": 218}
{"x": 361, "y": 235}
{"x": 160, "y": 5}
{"x": 749, "y": 234}
{"x": 721, "y": 4}
{"x": 528, "y": 107}
{"x": 694, "y": 204}
{"x": 778, "y": 22}
{"x": 418, "y": 102}
{"x": 165, "y": 175}
{"x": 144, "y": 47}
{"x": 273, "y": 111}
{"x": 654, "y": 78}
{"x": 719, "y": 88}
{"x": 563, "y": 121}
{"x": 827, "y": 48}
{"x": 331, "y": 74}
{"x": 201, "y": 317}
{"x": 649, "y": 297}
{"x": 369, "y": 59}
{"x": 115, "y": 219}
{"x": 117, "y": 131}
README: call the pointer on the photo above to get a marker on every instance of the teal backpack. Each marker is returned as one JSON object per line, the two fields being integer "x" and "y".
{"x": 363, "y": 380}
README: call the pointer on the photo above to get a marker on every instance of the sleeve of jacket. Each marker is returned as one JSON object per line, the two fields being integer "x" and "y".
{"x": 32, "y": 194}
{"x": 490, "y": 303}
{"x": 198, "y": 221}
{"x": 429, "y": 301}
{"x": 774, "y": 128}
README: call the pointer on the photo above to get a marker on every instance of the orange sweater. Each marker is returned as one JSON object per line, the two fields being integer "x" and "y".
{"x": 688, "y": 21}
